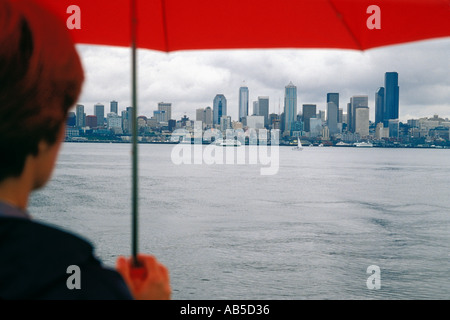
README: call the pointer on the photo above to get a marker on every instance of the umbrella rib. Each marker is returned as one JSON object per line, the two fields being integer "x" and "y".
{"x": 164, "y": 23}
{"x": 340, "y": 17}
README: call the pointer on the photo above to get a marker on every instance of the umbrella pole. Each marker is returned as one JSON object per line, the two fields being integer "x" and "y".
{"x": 134, "y": 222}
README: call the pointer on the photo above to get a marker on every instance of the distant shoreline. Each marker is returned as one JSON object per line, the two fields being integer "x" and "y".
{"x": 281, "y": 145}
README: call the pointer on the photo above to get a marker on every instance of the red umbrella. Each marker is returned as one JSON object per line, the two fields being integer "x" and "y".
{"x": 170, "y": 25}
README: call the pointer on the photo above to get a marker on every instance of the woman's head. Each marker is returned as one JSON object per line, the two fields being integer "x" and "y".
{"x": 40, "y": 80}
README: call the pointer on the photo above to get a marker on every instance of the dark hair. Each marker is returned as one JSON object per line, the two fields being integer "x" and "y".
{"x": 40, "y": 80}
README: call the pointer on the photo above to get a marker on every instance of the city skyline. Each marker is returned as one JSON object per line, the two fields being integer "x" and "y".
{"x": 190, "y": 80}
{"x": 356, "y": 120}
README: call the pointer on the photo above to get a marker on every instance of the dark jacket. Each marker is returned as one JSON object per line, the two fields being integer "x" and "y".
{"x": 34, "y": 258}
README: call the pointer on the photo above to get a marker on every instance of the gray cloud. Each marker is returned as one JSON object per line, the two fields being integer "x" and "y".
{"x": 191, "y": 79}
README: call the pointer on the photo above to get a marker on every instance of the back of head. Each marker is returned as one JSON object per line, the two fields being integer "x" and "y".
{"x": 40, "y": 79}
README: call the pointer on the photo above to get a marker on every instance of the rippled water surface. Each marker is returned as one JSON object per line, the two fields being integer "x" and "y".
{"x": 227, "y": 232}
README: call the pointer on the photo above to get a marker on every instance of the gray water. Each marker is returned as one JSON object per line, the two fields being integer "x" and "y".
{"x": 227, "y": 232}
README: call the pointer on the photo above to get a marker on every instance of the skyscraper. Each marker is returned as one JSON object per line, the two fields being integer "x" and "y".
{"x": 332, "y": 117}
{"x": 360, "y": 101}
{"x": 349, "y": 116}
{"x": 127, "y": 120}
{"x": 81, "y": 116}
{"x": 71, "y": 119}
{"x": 393, "y": 125}
{"x": 114, "y": 106}
{"x": 91, "y": 121}
{"x": 219, "y": 108}
{"x": 290, "y": 107}
{"x": 255, "y": 108}
{"x": 99, "y": 112}
{"x": 391, "y": 97}
{"x": 334, "y": 97}
{"x": 308, "y": 112}
{"x": 263, "y": 109}
{"x": 362, "y": 121}
{"x": 167, "y": 108}
{"x": 379, "y": 105}
{"x": 208, "y": 116}
{"x": 243, "y": 102}
{"x": 200, "y": 114}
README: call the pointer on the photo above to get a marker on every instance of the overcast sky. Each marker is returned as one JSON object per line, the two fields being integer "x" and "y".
{"x": 191, "y": 79}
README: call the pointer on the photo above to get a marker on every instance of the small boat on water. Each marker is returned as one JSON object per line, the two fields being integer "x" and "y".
{"x": 343, "y": 144}
{"x": 299, "y": 146}
{"x": 363, "y": 144}
{"x": 228, "y": 143}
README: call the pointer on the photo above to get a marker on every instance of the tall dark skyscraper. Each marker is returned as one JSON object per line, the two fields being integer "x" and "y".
{"x": 308, "y": 112}
{"x": 114, "y": 106}
{"x": 99, "y": 112}
{"x": 263, "y": 109}
{"x": 379, "y": 105}
{"x": 391, "y": 97}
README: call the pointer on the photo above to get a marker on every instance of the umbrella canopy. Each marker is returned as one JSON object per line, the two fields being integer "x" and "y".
{"x": 170, "y": 25}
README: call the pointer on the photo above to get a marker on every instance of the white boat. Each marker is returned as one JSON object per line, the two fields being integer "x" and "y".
{"x": 228, "y": 143}
{"x": 299, "y": 146}
{"x": 363, "y": 144}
